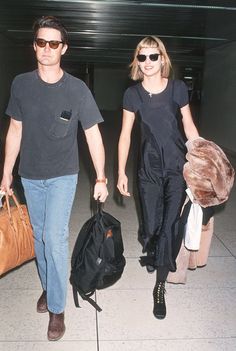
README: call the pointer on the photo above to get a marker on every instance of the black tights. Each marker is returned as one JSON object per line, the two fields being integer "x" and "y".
{"x": 162, "y": 273}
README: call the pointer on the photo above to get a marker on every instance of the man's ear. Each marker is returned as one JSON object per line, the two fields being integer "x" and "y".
{"x": 64, "y": 49}
{"x": 34, "y": 46}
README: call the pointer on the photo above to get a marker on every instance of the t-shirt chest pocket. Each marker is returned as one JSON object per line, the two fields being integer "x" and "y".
{"x": 61, "y": 125}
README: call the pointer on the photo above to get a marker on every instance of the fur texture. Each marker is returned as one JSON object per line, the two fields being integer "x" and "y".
{"x": 208, "y": 173}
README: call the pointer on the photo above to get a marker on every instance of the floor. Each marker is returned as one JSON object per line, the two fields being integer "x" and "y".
{"x": 201, "y": 314}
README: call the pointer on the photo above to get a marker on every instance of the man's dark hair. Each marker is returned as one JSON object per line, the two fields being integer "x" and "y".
{"x": 50, "y": 22}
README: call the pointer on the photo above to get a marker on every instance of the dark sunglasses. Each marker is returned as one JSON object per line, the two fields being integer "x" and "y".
{"x": 52, "y": 43}
{"x": 152, "y": 57}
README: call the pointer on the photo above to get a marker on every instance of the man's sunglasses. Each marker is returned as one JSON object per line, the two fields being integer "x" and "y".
{"x": 152, "y": 57}
{"x": 52, "y": 43}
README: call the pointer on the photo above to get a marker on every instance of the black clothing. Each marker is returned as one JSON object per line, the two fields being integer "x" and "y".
{"x": 162, "y": 156}
{"x": 162, "y": 274}
{"x": 50, "y": 114}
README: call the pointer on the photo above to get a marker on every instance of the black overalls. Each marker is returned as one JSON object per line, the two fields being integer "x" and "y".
{"x": 160, "y": 180}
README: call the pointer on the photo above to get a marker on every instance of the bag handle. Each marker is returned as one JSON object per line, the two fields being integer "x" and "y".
{"x": 16, "y": 203}
{"x": 100, "y": 206}
{"x": 21, "y": 213}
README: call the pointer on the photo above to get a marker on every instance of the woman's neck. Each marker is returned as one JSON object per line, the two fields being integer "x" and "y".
{"x": 154, "y": 84}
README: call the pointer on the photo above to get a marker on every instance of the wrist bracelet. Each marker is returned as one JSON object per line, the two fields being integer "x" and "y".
{"x": 102, "y": 180}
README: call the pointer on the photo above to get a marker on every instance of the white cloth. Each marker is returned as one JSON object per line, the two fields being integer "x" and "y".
{"x": 193, "y": 227}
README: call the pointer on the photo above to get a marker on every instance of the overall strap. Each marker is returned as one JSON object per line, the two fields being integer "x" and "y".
{"x": 173, "y": 89}
{"x": 139, "y": 93}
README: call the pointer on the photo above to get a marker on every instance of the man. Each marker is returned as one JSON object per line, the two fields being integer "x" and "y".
{"x": 45, "y": 106}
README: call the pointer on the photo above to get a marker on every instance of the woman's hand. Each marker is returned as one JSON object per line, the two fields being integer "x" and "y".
{"x": 122, "y": 185}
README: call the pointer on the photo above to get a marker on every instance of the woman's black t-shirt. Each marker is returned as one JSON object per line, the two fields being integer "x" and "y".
{"x": 162, "y": 143}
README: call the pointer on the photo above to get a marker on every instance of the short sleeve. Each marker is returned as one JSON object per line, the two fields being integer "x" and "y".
{"x": 89, "y": 113}
{"x": 14, "y": 108}
{"x": 181, "y": 93}
{"x": 130, "y": 100}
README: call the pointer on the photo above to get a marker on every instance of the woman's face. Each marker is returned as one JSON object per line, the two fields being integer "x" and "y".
{"x": 150, "y": 61}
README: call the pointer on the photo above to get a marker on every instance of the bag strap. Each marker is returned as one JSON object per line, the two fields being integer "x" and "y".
{"x": 84, "y": 297}
{"x": 100, "y": 207}
{"x": 20, "y": 211}
{"x": 16, "y": 202}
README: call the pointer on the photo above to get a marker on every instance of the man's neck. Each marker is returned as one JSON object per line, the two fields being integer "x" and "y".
{"x": 50, "y": 74}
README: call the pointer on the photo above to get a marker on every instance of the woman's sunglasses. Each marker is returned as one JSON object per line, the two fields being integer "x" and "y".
{"x": 52, "y": 43}
{"x": 152, "y": 57}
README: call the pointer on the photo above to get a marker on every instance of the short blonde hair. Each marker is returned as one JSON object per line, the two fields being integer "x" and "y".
{"x": 150, "y": 42}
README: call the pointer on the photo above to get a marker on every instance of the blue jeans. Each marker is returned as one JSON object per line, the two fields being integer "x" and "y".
{"x": 49, "y": 203}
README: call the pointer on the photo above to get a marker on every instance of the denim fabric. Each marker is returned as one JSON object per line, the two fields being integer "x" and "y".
{"x": 49, "y": 203}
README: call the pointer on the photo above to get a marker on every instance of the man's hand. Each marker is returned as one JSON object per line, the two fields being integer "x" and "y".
{"x": 100, "y": 192}
{"x": 6, "y": 184}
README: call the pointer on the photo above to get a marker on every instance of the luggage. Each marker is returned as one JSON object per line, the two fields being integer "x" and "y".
{"x": 97, "y": 258}
{"x": 16, "y": 235}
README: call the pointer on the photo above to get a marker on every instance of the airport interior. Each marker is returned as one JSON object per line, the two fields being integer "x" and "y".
{"x": 200, "y": 38}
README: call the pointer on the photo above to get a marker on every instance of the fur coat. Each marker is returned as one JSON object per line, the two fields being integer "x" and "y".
{"x": 210, "y": 177}
{"x": 208, "y": 172}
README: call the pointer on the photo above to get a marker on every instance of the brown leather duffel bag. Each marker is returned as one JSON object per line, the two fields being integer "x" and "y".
{"x": 16, "y": 235}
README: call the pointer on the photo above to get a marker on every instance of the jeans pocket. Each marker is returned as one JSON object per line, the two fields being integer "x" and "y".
{"x": 60, "y": 127}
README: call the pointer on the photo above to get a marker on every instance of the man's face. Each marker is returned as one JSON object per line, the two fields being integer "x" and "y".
{"x": 47, "y": 56}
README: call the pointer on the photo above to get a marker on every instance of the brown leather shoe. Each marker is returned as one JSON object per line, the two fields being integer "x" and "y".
{"x": 56, "y": 326}
{"x": 42, "y": 303}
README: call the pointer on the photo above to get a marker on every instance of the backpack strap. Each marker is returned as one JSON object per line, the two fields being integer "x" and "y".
{"x": 84, "y": 297}
{"x": 91, "y": 301}
{"x": 75, "y": 295}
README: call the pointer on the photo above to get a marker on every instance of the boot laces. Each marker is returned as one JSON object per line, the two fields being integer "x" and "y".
{"x": 159, "y": 292}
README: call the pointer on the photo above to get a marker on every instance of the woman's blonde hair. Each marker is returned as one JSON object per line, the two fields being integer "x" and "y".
{"x": 150, "y": 42}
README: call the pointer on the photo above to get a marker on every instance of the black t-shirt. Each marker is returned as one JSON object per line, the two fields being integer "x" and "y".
{"x": 50, "y": 114}
{"x": 162, "y": 146}
{"x": 132, "y": 101}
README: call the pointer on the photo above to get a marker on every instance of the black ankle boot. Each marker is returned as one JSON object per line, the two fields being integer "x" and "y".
{"x": 159, "y": 308}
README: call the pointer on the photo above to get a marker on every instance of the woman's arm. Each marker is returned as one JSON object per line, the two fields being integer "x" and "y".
{"x": 123, "y": 151}
{"x": 188, "y": 124}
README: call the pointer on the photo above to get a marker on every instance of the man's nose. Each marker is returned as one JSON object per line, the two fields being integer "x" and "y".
{"x": 47, "y": 47}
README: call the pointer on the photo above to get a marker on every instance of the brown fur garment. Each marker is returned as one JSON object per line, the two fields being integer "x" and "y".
{"x": 208, "y": 173}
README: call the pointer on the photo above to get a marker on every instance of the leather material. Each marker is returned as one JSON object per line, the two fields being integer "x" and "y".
{"x": 56, "y": 326}
{"x": 42, "y": 303}
{"x": 16, "y": 236}
{"x": 159, "y": 306}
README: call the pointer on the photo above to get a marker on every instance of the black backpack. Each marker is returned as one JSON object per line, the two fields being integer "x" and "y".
{"x": 97, "y": 259}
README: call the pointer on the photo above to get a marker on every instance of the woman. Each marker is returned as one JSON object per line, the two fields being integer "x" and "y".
{"x": 156, "y": 100}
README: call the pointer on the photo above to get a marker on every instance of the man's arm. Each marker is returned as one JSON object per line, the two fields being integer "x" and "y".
{"x": 97, "y": 152}
{"x": 13, "y": 141}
